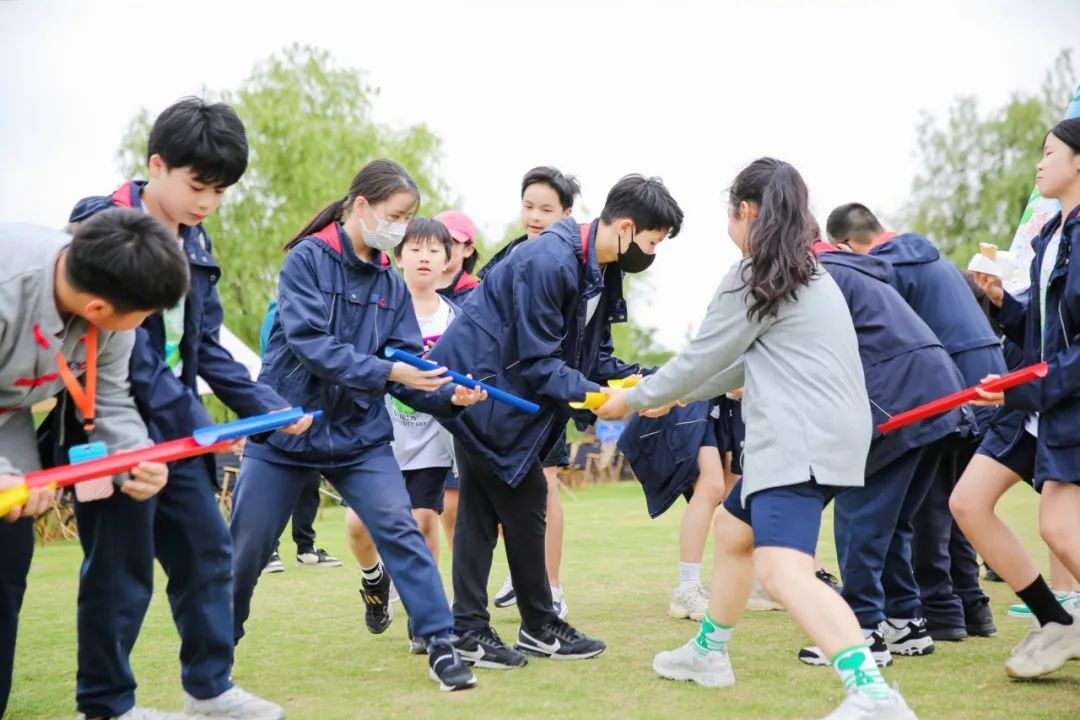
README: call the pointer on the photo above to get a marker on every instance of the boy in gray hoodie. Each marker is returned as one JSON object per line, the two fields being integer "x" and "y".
{"x": 62, "y": 297}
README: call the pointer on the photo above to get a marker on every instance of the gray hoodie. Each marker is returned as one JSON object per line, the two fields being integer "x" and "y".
{"x": 805, "y": 403}
{"x": 31, "y": 333}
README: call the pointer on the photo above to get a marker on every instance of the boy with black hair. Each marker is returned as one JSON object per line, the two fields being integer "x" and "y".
{"x": 195, "y": 151}
{"x": 61, "y": 296}
{"x": 539, "y": 326}
{"x": 547, "y": 195}
{"x": 953, "y": 604}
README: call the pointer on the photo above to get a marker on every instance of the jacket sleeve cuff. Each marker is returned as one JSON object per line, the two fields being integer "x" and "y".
{"x": 1024, "y": 397}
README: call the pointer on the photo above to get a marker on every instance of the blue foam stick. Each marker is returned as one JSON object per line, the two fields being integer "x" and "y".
{"x": 493, "y": 392}
{"x": 250, "y": 426}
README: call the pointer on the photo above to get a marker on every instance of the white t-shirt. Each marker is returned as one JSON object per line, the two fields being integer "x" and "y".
{"x": 1048, "y": 261}
{"x": 420, "y": 442}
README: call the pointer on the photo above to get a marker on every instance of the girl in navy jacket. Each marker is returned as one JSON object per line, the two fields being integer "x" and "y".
{"x": 339, "y": 305}
{"x": 1046, "y": 447}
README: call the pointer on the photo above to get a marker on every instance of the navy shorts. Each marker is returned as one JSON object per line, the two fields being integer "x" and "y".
{"x": 1020, "y": 458}
{"x": 452, "y": 482}
{"x": 425, "y": 488}
{"x": 787, "y": 517}
{"x": 558, "y": 456}
{"x": 727, "y": 433}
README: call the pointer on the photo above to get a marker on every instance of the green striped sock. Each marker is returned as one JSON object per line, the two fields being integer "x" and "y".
{"x": 712, "y": 637}
{"x": 856, "y": 667}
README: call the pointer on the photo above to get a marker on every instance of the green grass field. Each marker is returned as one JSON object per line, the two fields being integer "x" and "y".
{"x": 307, "y": 647}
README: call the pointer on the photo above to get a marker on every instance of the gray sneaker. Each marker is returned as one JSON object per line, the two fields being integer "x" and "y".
{"x": 1044, "y": 650}
{"x": 235, "y": 703}
{"x": 138, "y": 713}
{"x": 860, "y": 707}
{"x": 691, "y": 603}
{"x": 686, "y": 663}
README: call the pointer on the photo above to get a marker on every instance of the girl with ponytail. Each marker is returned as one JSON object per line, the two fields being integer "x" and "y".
{"x": 778, "y": 325}
{"x": 1036, "y": 436}
{"x": 340, "y": 304}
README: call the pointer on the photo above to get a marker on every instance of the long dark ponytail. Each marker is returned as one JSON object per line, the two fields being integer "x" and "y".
{"x": 375, "y": 182}
{"x": 780, "y": 241}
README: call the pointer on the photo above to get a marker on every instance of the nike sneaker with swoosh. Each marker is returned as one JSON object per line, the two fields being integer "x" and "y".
{"x": 558, "y": 640}
{"x": 485, "y": 649}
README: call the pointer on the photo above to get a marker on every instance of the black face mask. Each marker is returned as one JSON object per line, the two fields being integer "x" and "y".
{"x": 634, "y": 260}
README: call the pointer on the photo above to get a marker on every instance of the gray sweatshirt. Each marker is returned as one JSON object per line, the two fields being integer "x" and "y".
{"x": 805, "y": 404}
{"x": 31, "y": 333}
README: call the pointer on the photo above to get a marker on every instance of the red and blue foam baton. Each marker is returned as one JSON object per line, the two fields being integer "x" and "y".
{"x": 206, "y": 440}
{"x": 493, "y": 392}
{"x": 950, "y": 402}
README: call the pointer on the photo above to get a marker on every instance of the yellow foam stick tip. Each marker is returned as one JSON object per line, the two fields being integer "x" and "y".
{"x": 13, "y": 497}
{"x": 592, "y": 401}
{"x": 624, "y": 382}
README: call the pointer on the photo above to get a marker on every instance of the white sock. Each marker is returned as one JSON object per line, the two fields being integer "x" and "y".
{"x": 900, "y": 623}
{"x": 867, "y": 632}
{"x": 689, "y": 575}
{"x": 556, "y": 593}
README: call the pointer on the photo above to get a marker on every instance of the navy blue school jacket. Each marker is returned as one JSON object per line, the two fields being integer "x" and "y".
{"x": 523, "y": 330}
{"x": 170, "y": 406}
{"x": 335, "y": 315}
{"x": 498, "y": 257}
{"x": 904, "y": 363}
{"x": 1057, "y": 396}
{"x": 937, "y": 291}
{"x": 663, "y": 452}
{"x": 457, "y": 291}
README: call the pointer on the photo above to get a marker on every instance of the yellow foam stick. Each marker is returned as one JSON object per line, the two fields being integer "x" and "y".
{"x": 624, "y": 382}
{"x": 13, "y": 497}
{"x": 592, "y": 401}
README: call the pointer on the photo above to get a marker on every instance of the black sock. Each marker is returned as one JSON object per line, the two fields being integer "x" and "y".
{"x": 1044, "y": 604}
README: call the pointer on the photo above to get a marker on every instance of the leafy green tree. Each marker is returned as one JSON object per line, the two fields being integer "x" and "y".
{"x": 977, "y": 170}
{"x": 310, "y": 129}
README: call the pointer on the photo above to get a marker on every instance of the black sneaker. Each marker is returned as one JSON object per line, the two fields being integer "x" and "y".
{"x": 417, "y": 646}
{"x": 274, "y": 565}
{"x": 812, "y": 655}
{"x": 378, "y": 612}
{"x": 558, "y": 640}
{"x": 829, "y": 579}
{"x": 446, "y": 667}
{"x": 992, "y": 576}
{"x": 979, "y": 620}
{"x": 912, "y": 639}
{"x": 316, "y": 557}
{"x": 485, "y": 649}
{"x": 942, "y": 632}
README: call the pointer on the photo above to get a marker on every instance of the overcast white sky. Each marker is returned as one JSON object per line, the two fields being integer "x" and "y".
{"x": 688, "y": 91}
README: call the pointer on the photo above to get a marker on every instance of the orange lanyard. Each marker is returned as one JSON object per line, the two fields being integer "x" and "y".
{"x": 83, "y": 397}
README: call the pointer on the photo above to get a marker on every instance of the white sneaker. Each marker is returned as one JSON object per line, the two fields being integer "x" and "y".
{"x": 1045, "y": 650}
{"x": 760, "y": 599}
{"x": 235, "y": 703}
{"x": 506, "y": 595}
{"x": 558, "y": 599}
{"x": 858, "y": 706}
{"x": 911, "y": 639}
{"x": 317, "y": 558}
{"x": 685, "y": 663}
{"x": 274, "y": 565}
{"x": 813, "y": 655}
{"x": 690, "y": 603}
{"x": 138, "y": 713}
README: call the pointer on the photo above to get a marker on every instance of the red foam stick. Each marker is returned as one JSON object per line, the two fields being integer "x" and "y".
{"x": 949, "y": 402}
{"x": 120, "y": 462}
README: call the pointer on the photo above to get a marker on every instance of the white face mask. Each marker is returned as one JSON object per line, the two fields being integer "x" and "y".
{"x": 386, "y": 236}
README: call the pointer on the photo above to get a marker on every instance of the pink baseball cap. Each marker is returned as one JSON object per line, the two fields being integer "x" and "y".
{"x": 461, "y": 228}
